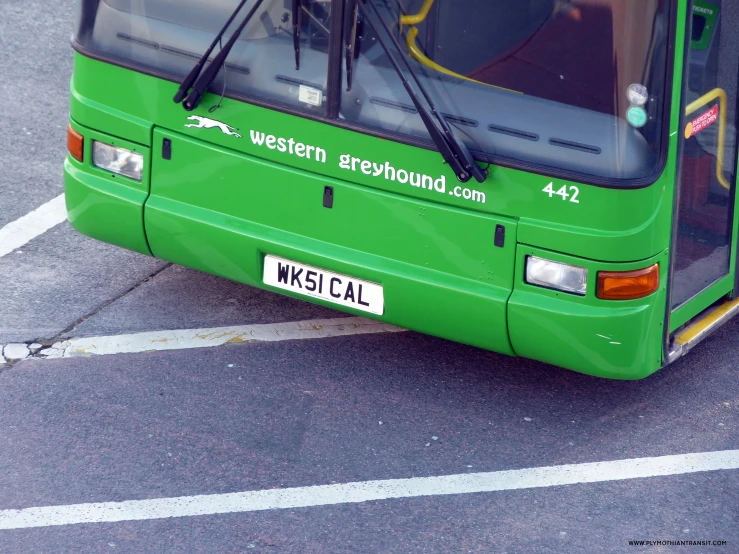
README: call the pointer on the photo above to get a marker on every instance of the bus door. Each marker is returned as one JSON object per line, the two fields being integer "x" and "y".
{"x": 704, "y": 237}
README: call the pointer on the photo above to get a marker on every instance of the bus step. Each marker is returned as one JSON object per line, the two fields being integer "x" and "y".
{"x": 702, "y": 327}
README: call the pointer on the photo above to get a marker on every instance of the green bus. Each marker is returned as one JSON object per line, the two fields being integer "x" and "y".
{"x": 553, "y": 179}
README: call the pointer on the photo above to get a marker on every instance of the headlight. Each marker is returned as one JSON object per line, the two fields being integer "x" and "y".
{"x": 117, "y": 160}
{"x": 554, "y": 275}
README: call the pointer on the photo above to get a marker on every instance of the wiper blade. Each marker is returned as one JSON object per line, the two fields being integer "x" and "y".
{"x": 297, "y": 16}
{"x": 350, "y": 40}
{"x": 209, "y": 75}
{"x": 454, "y": 152}
{"x": 195, "y": 71}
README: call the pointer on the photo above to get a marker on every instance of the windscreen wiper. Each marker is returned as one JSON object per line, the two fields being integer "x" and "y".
{"x": 451, "y": 149}
{"x": 297, "y": 17}
{"x": 208, "y": 76}
{"x": 350, "y": 40}
{"x": 195, "y": 71}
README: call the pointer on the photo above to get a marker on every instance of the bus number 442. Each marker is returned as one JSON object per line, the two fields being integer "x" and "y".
{"x": 572, "y": 195}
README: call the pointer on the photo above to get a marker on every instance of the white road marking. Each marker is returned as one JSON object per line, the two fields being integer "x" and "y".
{"x": 24, "y": 229}
{"x": 17, "y": 351}
{"x": 365, "y": 491}
{"x": 216, "y": 336}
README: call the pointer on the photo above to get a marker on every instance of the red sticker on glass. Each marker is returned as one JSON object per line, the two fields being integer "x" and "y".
{"x": 701, "y": 122}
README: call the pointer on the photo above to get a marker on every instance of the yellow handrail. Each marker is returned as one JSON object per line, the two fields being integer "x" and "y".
{"x": 416, "y": 54}
{"x": 420, "y": 16}
{"x": 720, "y": 95}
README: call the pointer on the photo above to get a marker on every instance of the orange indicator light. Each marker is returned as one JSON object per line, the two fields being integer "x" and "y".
{"x": 628, "y": 285}
{"x": 75, "y": 143}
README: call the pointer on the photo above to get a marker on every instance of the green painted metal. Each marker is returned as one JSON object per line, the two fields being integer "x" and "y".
{"x": 621, "y": 338}
{"x": 438, "y": 265}
{"x": 103, "y": 205}
{"x": 708, "y": 296}
{"x": 635, "y": 225}
{"x": 222, "y": 202}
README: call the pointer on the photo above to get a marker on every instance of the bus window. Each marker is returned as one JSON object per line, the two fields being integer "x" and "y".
{"x": 708, "y": 159}
{"x": 155, "y": 35}
{"x": 537, "y": 81}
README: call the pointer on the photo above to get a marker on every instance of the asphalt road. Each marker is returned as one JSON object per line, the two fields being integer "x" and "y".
{"x": 258, "y": 416}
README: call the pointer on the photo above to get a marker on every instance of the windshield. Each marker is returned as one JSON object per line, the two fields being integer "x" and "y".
{"x": 167, "y": 37}
{"x": 554, "y": 85}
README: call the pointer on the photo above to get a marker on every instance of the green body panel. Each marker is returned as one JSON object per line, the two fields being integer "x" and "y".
{"x": 103, "y": 205}
{"x": 684, "y": 313}
{"x": 103, "y": 115}
{"x": 438, "y": 265}
{"x": 222, "y": 202}
{"x": 621, "y": 338}
{"x": 606, "y": 224}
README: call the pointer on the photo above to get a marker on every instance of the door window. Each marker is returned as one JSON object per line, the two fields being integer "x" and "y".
{"x": 708, "y": 163}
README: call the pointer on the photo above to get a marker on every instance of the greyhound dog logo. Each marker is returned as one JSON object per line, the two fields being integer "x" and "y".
{"x": 205, "y": 123}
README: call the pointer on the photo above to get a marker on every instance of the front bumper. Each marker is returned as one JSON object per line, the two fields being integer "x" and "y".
{"x": 439, "y": 268}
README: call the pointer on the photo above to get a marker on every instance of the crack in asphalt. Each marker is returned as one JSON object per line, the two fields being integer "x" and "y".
{"x": 43, "y": 344}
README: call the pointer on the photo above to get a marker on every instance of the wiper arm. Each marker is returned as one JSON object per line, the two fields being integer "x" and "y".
{"x": 209, "y": 75}
{"x": 195, "y": 71}
{"x": 350, "y": 40}
{"x": 454, "y": 152}
{"x": 297, "y": 16}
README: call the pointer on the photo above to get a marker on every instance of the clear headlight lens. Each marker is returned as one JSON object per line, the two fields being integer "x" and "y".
{"x": 554, "y": 275}
{"x": 117, "y": 160}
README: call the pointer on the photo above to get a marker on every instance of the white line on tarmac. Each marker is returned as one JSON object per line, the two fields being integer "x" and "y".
{"x": 24, "y": 229}
{"x": 364, "y": 491}
{"x": 216, "y": 336}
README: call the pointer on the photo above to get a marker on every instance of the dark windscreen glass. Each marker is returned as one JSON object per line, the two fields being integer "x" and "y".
{"x": 540, "y": 81}
{"x": 543, "y": 83}
{"x": 169, "y": 36}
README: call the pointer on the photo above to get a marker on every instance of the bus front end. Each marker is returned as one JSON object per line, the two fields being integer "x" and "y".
{"x": 329, "y": 160}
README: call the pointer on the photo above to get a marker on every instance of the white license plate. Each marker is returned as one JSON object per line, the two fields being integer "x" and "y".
{"x": 326, "y": 285}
